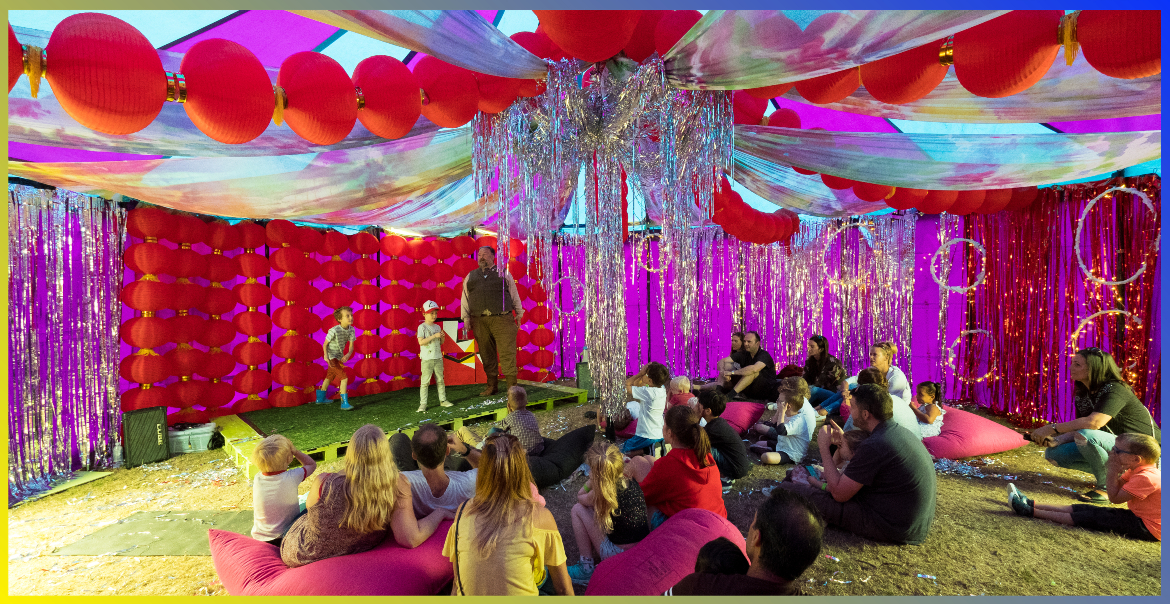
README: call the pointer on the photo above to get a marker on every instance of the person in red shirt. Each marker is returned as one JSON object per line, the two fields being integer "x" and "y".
{"x": 1131, "y": 478}
{"x": 687, "y": 476}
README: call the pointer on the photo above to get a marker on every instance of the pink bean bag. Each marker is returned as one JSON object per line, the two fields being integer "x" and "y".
{"x": 966, "y": 434}
{"x": 742, "y": 415}
{"x": 253, "y": 568}
{"x": 664, "y": 557}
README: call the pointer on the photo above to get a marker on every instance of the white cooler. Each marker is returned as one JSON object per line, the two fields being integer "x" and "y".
{"x": 191, "y": 440}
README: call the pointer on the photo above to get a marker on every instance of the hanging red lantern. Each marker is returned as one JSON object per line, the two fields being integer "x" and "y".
{"x": 145, "y": 332}
{"x": 186, "y": 394}
{"x": 289, "y": 289}
{"x": 220, "y": 269}
{"x": 542, "y": 337}
{"x": 216, "y": 333}
{"x": 367, "y": 294}
{"x": 285, "y": 347}
{"x": 310, "y": 298}
{"x": 186, "y": 295}
{"x": 391, "y": 96}
{"x": 281, "y": 231}
{"x": 770, "y": 92}
{"x": 441, "y": 249}
{"x": 451, "y": 97}
{"x": 185, "y": 359}
{"x": 419, "y": 295}
{"x": 229, "y": 95}
{"x": 394, "y": 270}
{"x": 365, "y": 268}
{"x": 145, "y": 368}
{"x": 523, "y": 358}
{"x": 495, "y": 93}
{"x": 442, "y": 273}
{"x": 139, "y": 398}
{"x": 147, "y": 223}
{"x": 146, "y": 295}
{"x": 246, "y": 405}
{"x": 516, "y": 248}
{"x": 367, "y": 319}
{"x": 395, "y": 294}
{"x": 367, "y": 344}
{"x": 906, "y": 198}
{"x": 784, "y": 118}
{"x": 327, "y": 322}
{"x": 106, "y": 74}
{"x": 337, "y": 271}
{"x": 290, "y": 373}
{"x": 543, "y": 358}
{"x": 252, "y": 354}
{"x": 363, "y": 243}
{"x": 252, "y": 323}
{"x": 837, "y": 183}
{"x": 252, "y": 265}
{"x": 252, "y": 235}
{"x": 672, "y": 26}
{"x": 748, "y": 109}
{"x": 995, "y": 201}
{"x": 464, "y": 266}
{"x": 1121, "y": 43}
{"x": 284, "y": 398}
{"x": 445, "y": 296}
{"x": 397, "y": 342}
{"x": 308, "y": 350}
{"x": 310, "y": 323}
{"x": 310, "y": 269}
{"x": 309, "y": 239}
{"x": 539, "y": 315}
{"x": 937, "y": 202}
{"x": 537, "y": 294}
{"x": 589, "y": 35}
{"x": 831, "y": 87}
{"x": 217, "y": 301}
{"x": 417, "y": 249}
{"x": 187, "y": 229}
{"x": 522, "y": 338}
{"x": 186, "y": 328}
{"x": 1022, "y": 197}
{"x": 252, "y": 381}
{"x": 335, "y": 243}
{"x": 223, "y": 236}
{"x": 218, "y": 395}
{"x": 1007, "y": 54}
{"x": 464, "y": 245}
{"x": 252, "y": 295}
{"x": 486, "y": 241}
{"x": 393, "y": 245}
{"x": 149, "y": 258}
{"x": 337, "y": 296}
{"x": 967, "y": 202}
{"x": 539, "y": 45}
{"x": 368, "y": 368}
{"x": 320, "y": 103}
{"x": 906, "y": 76}
{"x": 396, "y": 318}
{"x": 870, "y": 192}
{"x": 217, "y": 364}
{"x": 641, "y": 44}
{"x": 15, "y": 59}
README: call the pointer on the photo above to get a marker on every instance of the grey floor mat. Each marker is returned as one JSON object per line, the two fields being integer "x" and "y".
{"x": 160, "y": 534}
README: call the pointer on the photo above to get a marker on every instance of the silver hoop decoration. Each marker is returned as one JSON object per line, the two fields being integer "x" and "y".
{"x": 1072, "y": 339}
{"x": 1081, "y": 224}
{"x": 978, "y": 278}
{"x": 829, "y": 236}
{"x": 644, "y": 256}
{"x": 573, "y": 281}
{"x": 951, "y": 356}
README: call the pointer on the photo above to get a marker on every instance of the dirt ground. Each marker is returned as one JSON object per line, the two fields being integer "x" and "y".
{"x": 976, "y": 545}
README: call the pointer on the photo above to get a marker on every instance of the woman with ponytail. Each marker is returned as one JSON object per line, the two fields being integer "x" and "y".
{"x": 687, "y": 476}
{"x": 610, "y": 514}
{"x": 927, "y": 408}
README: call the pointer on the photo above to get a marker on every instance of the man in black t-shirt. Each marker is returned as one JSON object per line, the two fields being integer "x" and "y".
{"x": 756, "y": 379}
{"x": 887, "y": 492}
{"x": 726, "y": 446}
{"x": 782, "y": 542}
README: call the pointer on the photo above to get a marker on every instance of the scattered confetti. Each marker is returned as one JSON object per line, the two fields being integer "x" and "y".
{"x": 922, "y": 576}
{"x": 833, "y": 558}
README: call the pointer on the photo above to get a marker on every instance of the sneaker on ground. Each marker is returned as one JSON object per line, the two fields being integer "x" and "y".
{"x": 445, "y": 404}
{"x": 421, "y": 408}
{"x": 346, "y": 407}
{"x": 580, "y": 573}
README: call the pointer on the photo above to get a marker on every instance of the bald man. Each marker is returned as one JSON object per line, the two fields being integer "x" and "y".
{"x": 494, "y": 317}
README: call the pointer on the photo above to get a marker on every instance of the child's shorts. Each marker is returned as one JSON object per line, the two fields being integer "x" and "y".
{"x": 638, "y": 442}
{"x": 1111, "y": 520}
{"x": 335, "y": 373}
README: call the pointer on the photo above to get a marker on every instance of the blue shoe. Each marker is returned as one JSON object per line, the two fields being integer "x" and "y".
{"x": 321, "y": 398}
{"x": 345, "y": 406}
{"x": 580, "y": 573}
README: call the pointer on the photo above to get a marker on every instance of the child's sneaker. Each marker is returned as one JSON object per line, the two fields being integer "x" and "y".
{"x": 581, "y": 573}
{"x": 321, "y": 398}
{"x": 445, "y": 404}
{"x": 421, "y": 408}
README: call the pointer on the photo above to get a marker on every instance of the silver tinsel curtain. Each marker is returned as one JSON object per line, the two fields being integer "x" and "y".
{"x": 65, "y": 272}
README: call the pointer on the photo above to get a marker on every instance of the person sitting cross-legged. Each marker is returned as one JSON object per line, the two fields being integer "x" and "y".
{"x": 726, "y": 447}
{"x": 887, "y": 493}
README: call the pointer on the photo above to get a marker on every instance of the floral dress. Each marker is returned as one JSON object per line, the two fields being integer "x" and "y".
{"x": 934, "y": 428}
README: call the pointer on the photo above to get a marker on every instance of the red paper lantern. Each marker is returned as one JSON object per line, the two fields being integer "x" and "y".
{"x": 672, "y": 26}
{"x": 539, "y": 45}
{"x": 185, "y": 359}
{"x": 287, "y": 260}
{"x": 527, "y": 374}
{"x": 336, "y": 271}
{"x": 831, "y": 87}
{"x": 540, "y": 315}
{"x": 310, "y": 269}
{"x": 327, "y": 322}
{"x": 543, "y": 358}
{"x": 394, "y": 270}
{"x": 308, "y": 350}
{"x": 15, "y": 59}
{"x": 748, "y": 109}
{"x": 252, "y": 265}
{"x": 363, "y": 243}
{"x": 804, "y": 171}
{"x": 396, "y": 318}
{"x": 837, "y": 183}
{"x": 367, "y": 319}
{"x": 906, "y": 76}
{"x": 289, "y": 289}
{"x": 542, "y": 337}
{"x": 419, "y": 295}
{"x": 322, "y": 104}
{"x": 252, "y": 235}
{"x": 937, "y": 202}
{"x": 1007, "y": 54}
{"x": 223, "y": 236}
{"x": 368, "y": 344}
{"x": 397, "y": 342}
{"x": 905, "y": 198}
{"x": 146, "y": 368}
{"x": 451, "y": 95}
{"x": 367, "y": 368}
{"x": 390, "y": 90}
{"x": 310, "y": 323}
{"x": 188, "y": 415}
{"x": 252, "y": 381}
{"x": 216, "y": 333}
{"x": 367, "y": 294}
{"x": 1121, "y": 43}
{"x": 188, "y": 264}
{"x": 784, "y": 118}
{"x": 770, "y": 92}
{"x": 495, "y": 93}
{"x": 218, "y": 395}
{"x": 523, "y": 358}
{"x": 282, "y": 231}
{"x": 486, "y": 241}
{"x": 253, "y": 354}
{"x": 106, "y": 74}
{"x": 337, "y": 296}
{"x": 186, "y": 328}
{"x": 641, "y": 44}
{"x": 1022, "y": 197}
{"x": 967, "y": 202}
{"x": 289, "y": 373}
{"x": 870, "y": 192}
{"x": 217, "y": 301}
{"x": 147, "y": 223}
{"x": 335, "y": 243}
{"x": 252, "y": 295}
{"x": 216, "y": 365}
{"x": 229, "y": 95}
{"x": 417, "y": 249}
{"x": 442, "y": 273}
{"x": 464, "y": 266}
{"x": 365, "y": 268}
{"x": 286, "y": 398}
{"x": 246, "y": 405}
{"x": 995, "y": 201}
{"x": 517, "y": 269}
{"x": 537, "y": 294}
{"x": 393, "y": 245}
{"x": 186, "y": 394}
{"x": 145, "y": 332}
{"x": 441, "y": 249}
{"x": 464, "y": 245}
{"x": 309, "y": 239}
{"x": 252, "y": 323}
{"x": 445, "y": 296}
{"x": 395, "y": 294}
{"x": 589, "y": 35}
{"x": 137, "y": 398}
{"x": 149, "y": 258}
{"x": 522, "y": 338}
{"x": 220, "y": 269}
{"x": 147, "y": 295}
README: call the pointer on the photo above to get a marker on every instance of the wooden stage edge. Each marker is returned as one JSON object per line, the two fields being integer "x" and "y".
{"x": 241, "y": 437}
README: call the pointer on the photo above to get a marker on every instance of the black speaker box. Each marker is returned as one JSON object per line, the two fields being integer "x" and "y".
{"x": 145, "y": 436}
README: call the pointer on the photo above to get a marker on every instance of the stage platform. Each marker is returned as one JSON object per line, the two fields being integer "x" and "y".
{"x": 323, "y": 431}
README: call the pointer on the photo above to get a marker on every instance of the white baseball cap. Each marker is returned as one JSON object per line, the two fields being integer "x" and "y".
{"x": 430, "y": 305}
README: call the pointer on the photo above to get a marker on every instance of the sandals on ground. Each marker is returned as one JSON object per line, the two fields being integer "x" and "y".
{"x": 1093, "y": 496}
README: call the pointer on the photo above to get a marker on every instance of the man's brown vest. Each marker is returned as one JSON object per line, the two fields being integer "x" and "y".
{"x": 485, "y": 291}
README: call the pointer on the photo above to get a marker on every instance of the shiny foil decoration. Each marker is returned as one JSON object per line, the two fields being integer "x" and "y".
{"x": 948, "y": 227}
{"x": 65, "y": 273}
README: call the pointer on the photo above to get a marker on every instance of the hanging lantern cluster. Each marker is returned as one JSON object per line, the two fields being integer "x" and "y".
{"x": 746, "y": 223}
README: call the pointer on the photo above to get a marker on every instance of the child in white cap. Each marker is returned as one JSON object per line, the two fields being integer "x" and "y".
{"x": 430, "y": 336}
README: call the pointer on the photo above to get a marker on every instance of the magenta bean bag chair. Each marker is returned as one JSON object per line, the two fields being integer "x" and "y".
{"x": 742, "y": 415}
{"x": 966, "y": 434}
{"x": 664, "y": 557}
{"x": 253, "y": 568}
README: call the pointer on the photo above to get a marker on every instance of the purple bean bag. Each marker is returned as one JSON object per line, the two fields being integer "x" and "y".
{"x": 742, "y": 415}
{"x": 966, "y": 434}
{"x": 664, "y": 557}
{"x": 253, "y": 568}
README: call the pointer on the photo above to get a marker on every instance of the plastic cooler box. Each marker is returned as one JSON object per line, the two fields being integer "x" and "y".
{"x": 191, "y": 440}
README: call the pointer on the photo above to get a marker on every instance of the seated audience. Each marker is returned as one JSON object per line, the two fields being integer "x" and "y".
{"x": 1105, "y": 407}
{"x": 783, "y": 541}
{"x": 275, "y": 504}
{"x": 679, "y": 392}
{"x": 786, "y": 436}
{"x": 502, "y": 542}
{"x": 686, "y": 477}
{"x": 726, "y": 446}
{"x": 887, "y": 493}
{"x": 902, "y": 414}
{"x": 646, "y": 394}
{"x": 353, "y": 510}
{"x": 519, "y": 422}
{"x": 881, "y": 356}
{"x": 721, "y": 557}
{"x": 1131, "y": 478}
{"x": 823, "y": 373}
{"x": 756, "y": 379}
{"x": 928, "y": 410}
{"x": 610, "y": 514}
{"x": 433, "y": 487}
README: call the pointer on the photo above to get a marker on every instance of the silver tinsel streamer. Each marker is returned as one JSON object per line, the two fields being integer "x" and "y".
{"x": 65, "y": 273}
{"x": 949, "y": 227}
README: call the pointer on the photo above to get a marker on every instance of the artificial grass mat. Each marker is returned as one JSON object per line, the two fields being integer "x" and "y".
{"x": 160, "y": 534}
{"x": 311, "y": 426}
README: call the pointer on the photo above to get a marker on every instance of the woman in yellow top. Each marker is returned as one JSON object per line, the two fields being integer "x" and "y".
{"x": 502, "y": 542}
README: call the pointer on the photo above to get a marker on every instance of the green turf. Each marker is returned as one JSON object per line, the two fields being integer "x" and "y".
{"x": 311, "y": 426}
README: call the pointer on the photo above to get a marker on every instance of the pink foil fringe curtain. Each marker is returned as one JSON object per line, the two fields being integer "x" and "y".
{"x": 65, "y": 272}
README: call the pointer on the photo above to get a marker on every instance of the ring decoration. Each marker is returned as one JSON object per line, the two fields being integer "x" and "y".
{"x": 951, "y": 355}
{"x": 1087, "y": 321}
{"x": 861, "y": 280}
{"x": 573, "y": 283}
{"x": 1081, "y": 224}
{"x": 644, "y": 253}
{"x": 978, "y": 278}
